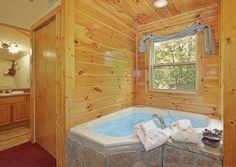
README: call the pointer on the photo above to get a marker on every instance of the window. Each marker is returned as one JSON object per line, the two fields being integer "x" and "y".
{"x": 174, "y": 64}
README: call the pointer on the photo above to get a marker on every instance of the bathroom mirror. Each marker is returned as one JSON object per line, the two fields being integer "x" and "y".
{"x": 14, "y": 58}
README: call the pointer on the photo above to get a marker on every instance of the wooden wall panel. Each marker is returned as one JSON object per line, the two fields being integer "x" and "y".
{"x": 207, "y": 99}
{"x": 140, "y": 12}
{"x": 229, "y": 80}
{"x": 104, "y": 62}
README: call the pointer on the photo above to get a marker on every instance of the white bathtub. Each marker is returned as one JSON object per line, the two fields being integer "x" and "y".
{"x": 86, "y": 130}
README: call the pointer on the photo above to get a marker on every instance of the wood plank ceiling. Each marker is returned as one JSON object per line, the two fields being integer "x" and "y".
{"x": 139, "y": 12}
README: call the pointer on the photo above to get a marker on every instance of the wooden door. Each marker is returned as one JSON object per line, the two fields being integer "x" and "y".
{"x": 45, "y": 86}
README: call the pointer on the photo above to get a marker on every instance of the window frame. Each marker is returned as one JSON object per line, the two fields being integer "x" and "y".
{"x": 154, "y": 65}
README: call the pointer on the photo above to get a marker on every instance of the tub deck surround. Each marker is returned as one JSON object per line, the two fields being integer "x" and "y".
{"x": 182, "y": 157}
{"x": 87, "y": 148}
{"x": 82, "y": 152}
{"x": 86, "y": 153}
{"x": 86, "y": 130}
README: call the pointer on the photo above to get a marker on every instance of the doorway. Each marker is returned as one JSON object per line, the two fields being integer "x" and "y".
{"x": 45, "y": 92}
{"x": 14, "y": 86}
{"x": 45, "y": 68}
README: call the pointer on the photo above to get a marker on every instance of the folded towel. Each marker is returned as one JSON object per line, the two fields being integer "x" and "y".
{"x": 182, "y": 131}
{"x": 149, "y": 129}
{"x": 151, "y": 136}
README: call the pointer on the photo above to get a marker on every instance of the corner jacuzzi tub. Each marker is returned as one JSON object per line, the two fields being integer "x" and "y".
{"x": 117, "y": 128}
{"x": 110, "y": 141}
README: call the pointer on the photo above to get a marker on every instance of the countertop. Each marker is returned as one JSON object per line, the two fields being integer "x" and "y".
{"x": 13, "y": 95}
{"x": 18, "y": 92}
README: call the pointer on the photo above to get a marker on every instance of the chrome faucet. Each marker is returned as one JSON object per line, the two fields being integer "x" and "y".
{"x": 162, "y": 122}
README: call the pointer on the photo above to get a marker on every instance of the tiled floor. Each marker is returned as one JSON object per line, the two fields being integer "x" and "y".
{"x": 26, "y": 155}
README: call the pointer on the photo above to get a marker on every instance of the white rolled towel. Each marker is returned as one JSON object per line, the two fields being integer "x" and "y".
{"x": 151, "y": 136}
{"x": 182, "y": 131}
{"x": 183, "y": 124}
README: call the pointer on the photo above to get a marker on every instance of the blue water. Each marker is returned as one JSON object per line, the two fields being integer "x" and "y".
{"x": 124, "y": 126}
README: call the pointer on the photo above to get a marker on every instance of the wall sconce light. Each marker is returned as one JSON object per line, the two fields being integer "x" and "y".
{"x": 12, "y": 47}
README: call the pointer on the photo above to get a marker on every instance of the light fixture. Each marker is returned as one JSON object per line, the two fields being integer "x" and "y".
{"x": 160, "y": 3}
{"x": 12, "y": 47}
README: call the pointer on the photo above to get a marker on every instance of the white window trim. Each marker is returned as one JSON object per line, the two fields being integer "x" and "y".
{"x": 153, "y": 66}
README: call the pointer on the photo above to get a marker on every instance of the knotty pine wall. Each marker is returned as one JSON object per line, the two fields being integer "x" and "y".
{"x": 229, "y": 80}
{"x": 207, "y": 98}
{"x": 104, "y": 62}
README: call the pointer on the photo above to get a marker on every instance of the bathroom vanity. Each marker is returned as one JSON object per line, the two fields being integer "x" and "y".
{"x": 14, "y": 108}
{"x": 14, "y": 87}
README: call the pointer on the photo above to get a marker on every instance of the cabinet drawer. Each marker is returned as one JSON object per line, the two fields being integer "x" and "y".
{"x": 5, "y": 114}
{"x": 10, "y": 100}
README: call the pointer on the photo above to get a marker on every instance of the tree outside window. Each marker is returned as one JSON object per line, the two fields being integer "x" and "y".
{"x": 174, "y": 64}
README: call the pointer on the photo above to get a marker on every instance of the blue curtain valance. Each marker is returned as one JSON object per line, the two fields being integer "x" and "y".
{"x": 194, "y": 29}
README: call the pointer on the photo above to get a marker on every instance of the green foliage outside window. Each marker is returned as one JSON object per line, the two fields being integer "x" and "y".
{"x": 174, "y": 64}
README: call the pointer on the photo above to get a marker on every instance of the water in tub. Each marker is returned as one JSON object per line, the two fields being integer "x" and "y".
{"x": 121, "y": 127}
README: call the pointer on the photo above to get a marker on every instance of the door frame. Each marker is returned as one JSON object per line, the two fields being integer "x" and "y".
{"x": 60, "y": 121}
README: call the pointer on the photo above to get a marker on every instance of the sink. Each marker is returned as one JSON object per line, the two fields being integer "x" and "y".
{"x": 17, "y": 92}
